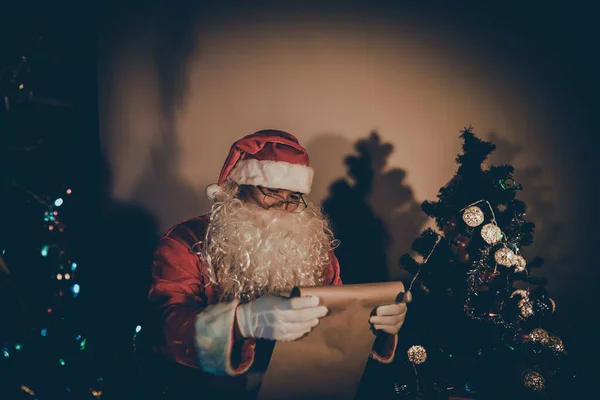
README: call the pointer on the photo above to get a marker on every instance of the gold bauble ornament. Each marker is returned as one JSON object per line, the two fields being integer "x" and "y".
{"x": 520, "y": 263}
{"x": 491, "y": 233}
{"x": 534, "y": 381}
{"x": 505, "y": 256}
{"x": 417, "y": 354}
{"x": 473, "y": 216}
{"x": 539, "y": 335}
{"x": 556, "y": 344}
{"x": 526, "y": 307}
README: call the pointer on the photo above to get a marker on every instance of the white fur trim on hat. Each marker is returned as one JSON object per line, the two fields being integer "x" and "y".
{"x": 273, "y": 174}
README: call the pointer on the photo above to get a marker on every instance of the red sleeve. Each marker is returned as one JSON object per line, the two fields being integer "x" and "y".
{"x": 179, "y": 294}
{"x": 385, "y": 344}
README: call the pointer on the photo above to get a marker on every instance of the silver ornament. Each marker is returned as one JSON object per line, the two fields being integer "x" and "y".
{"x": 520, "y": 263}
{"x": 491, "y": 233}
{"x": 473, "y": 216}
{"x": 417, "y": 354}
{"x": 505, "y": 256}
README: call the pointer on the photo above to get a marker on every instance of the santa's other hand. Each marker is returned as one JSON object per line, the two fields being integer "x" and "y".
{"x": 389, "y": 318}
{"x": 278, "y": 318}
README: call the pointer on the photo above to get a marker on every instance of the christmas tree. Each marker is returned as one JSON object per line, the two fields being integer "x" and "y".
{"x": 481, "y": 325}
{"x": 46, "y": 351}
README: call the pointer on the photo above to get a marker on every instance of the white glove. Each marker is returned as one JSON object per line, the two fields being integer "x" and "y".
{"x": 390, "y": 318}
{"x": 278, "y": 318}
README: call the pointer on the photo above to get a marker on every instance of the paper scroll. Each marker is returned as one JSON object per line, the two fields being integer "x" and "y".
{"x": 328, "y": 363}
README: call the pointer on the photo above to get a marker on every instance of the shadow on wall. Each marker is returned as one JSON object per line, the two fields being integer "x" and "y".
{"x": 549, "y": 241}
{"x": 175, "y": 44}
{"x": 372, "y": 212}
{"x": 117, "y": 288}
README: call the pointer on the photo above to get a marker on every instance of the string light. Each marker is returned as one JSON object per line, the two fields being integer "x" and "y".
{"x": 58, "y": 202}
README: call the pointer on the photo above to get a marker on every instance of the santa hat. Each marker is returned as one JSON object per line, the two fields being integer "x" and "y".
{"x": 268, "y": 158}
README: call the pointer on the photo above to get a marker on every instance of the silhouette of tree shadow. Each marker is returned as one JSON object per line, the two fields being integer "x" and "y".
{"x": 373, "y": 213}
{"x": 375, "y": 216}
{"x": 363, "y": 237}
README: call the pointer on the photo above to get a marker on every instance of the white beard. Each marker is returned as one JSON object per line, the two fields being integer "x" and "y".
{"x": 251, "y": 252}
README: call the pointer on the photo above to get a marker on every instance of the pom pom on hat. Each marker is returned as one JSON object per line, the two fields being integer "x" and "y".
{"x": 212, "y": 191}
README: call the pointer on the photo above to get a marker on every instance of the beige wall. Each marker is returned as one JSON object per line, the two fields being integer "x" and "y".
{"x": 330, "y": 82}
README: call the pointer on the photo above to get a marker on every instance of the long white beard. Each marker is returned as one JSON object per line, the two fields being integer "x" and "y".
{"x": 251, "y": 252}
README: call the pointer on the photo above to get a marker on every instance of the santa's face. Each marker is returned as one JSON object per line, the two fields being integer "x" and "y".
{"x": 259, "y": 244}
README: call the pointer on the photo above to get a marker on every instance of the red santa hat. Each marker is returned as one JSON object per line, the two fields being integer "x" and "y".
{"x": 268, "y": 158}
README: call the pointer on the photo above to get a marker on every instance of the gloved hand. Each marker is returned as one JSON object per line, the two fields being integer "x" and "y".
{"x": 279, "y": 318}
{"x": 390, "y": 318}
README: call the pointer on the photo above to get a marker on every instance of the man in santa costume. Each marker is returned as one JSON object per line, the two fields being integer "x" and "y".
{"x": 218, "y": 278}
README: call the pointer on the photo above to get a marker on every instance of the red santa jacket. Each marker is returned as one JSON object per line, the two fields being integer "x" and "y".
{"x": 198, "y": 329}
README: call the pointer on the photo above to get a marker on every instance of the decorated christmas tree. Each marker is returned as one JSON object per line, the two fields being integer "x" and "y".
{"x": 46, "y": 351}
{"x": 482, "y": 324}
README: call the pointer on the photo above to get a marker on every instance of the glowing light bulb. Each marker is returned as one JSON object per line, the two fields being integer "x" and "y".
{"x": 62, "y": 362}
{"x": 73, "y": 266}
{"x": 67, "y": 276}
{"x": 59, "y": 277}
{"x": 138, "y": 328}
{"x": 21, "y": 86}
{"x": 75, "y": 289}
{"x": 44, "y": 251}
{"x": 69, "y": 191}
{"x": 18, "y": 346}
{"x": 58, "y": 202}
{"x": 44, "y": 331}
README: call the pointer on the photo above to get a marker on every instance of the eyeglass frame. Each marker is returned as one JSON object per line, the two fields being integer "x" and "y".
{"x": 282, "y": 200}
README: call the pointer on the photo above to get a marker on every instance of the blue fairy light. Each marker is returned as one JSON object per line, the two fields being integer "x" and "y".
{"x": 75, "y": 289}
{"x": 44, "y": 251}
{"x": 73, "y": 266}
{"x": 58, "y": 202}
{"x": 138, "y": 329}
{"x": 44, "y": 331}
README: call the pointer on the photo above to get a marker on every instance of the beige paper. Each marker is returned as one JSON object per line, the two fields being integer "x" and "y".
{"x": 329, "y": 362}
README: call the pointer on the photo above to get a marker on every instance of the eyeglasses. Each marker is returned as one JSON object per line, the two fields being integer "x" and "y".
{"x": 296, "y": 203}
